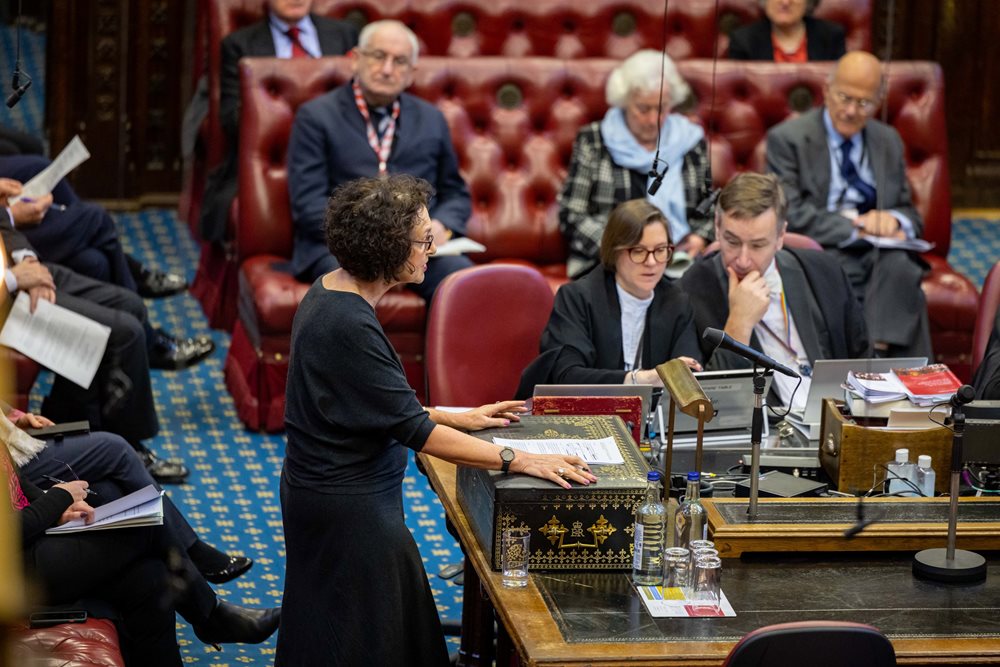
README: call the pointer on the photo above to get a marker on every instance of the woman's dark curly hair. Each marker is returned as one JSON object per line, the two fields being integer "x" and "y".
{"x": 369, "y": 222}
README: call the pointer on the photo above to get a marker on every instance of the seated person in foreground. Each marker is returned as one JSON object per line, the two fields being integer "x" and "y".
{"x": 370, "y": 127}
{"x": 788, "y": 34}
{"x": 612, "y": 159}
{"x": 796, "y": 306}
{"x": 623, "y": 318}
{"x": 844, "y": 176}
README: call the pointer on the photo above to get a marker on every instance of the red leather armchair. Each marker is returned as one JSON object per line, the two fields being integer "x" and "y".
{"x": 90, "y": 644}
{"x": 483, "y": 329}
{"x": 513, "y": 122}
{"x": 457, "y": 28}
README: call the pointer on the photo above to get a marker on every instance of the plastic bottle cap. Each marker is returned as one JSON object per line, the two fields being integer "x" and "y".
{"x": 902, "y": 455}
{"x": 653, "y": 476}
{"x": 924, "y": 461}
{"x": 693, "y": 476}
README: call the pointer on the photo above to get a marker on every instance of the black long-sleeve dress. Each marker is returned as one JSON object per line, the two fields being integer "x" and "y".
{"x": 355, "y": 589}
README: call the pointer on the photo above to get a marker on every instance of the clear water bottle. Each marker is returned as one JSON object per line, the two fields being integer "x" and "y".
{"x": 899, "y": 470}
{"x": 925, "y": 476}
{"x": 650, "y": 518}
{"x": 689, "y": 521}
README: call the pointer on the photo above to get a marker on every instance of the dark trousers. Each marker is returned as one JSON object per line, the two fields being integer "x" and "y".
{"x": 113, "y": 469}
{"x": 888, "y": 284}
{"x": 128, "y": 568}
{"x": 120, "y": 398}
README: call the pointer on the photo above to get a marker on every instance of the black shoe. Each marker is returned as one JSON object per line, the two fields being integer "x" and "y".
{"x": 229, "y": 624}
{"x": 173, "y": 354}
{"x": 158, "y": 284}
{"x": 237, "y": 566}
{"x": 163, "y": 471}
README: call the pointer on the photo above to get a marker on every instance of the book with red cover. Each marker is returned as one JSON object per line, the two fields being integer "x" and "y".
{"x": 933, "y": 381}
{"x": 629, "y": 408}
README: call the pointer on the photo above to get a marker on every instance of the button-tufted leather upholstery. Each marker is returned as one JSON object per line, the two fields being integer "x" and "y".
{"x": 90, "y": 644}
{"x": 483, "y": 329}
{"x": 513, "y": 122}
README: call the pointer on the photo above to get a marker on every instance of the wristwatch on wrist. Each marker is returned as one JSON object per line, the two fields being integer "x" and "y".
{"x": 507, "y": 457}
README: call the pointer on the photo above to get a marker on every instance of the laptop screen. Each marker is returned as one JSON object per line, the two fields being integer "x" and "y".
{"x": 829, "y": 375}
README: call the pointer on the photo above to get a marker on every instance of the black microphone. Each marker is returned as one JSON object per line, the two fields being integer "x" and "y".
{"x": 657, "y": 180}
{"x": 719, "y": 338}
{"x": 965, "y": 394}
{"x": 18, "y": 93}
{"x": 862, "y": 521}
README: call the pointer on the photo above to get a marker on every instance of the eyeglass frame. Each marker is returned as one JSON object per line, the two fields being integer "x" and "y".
{"x": 380, "y": 57}
{"x": 427, "y": 242}
{"x": 864, "y": 104}
{"x": 670, "y": 248}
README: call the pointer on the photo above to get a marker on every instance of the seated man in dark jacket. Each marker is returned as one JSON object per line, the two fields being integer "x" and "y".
{"x": 793, "y": 305}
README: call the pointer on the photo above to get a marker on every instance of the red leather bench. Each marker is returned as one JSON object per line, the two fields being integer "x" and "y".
{"x": 459, "y": 28}
{"x": 90, "y": 644}
{"x": 513, "y": 122}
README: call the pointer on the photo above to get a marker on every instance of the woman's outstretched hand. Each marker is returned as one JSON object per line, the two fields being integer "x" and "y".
{"x": 555, "y": 468}
{"x": 501, "y": 413}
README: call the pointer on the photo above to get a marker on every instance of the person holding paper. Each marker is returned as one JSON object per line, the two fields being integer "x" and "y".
{"x": 127, "y": 567}
{"x": 844, "y": 176}
{"x": 350, "y": 417}
{"x": 622, "y": 318}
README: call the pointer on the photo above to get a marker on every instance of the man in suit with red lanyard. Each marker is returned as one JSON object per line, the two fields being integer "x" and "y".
{"x": 367, "y": 127}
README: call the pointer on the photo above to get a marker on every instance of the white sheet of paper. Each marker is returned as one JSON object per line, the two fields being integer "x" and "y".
{"x": 142, "y": 507}
{"x": 916, "y": 245}
{"x": 65, "y": 342}
{"x": 603, "y": 451}
{"x": 45, "y": 181}
{"x": 670, "y": 603}
{"x": 459, "y": 246}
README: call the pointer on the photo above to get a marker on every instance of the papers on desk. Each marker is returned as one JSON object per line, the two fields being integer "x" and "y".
{"x": 140, "y": 508}
{"x": 45, "y": 181}
{"x": 916, "y": 245}
{"x": 459, "y": 246}
{"x": 65, "y": 342}
{"x": 603, "y": 451}
{"x": 670, "y": 603}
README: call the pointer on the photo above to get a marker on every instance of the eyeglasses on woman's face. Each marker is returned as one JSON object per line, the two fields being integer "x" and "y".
{"x": 661, "y": 253}
{"x": 425, "y": 242}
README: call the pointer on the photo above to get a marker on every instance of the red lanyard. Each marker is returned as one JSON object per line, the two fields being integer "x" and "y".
{"x": 382, "y": 148}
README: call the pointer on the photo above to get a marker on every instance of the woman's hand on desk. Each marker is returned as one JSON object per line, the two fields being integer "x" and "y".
{"x": 501, "y": 413}
{"x": 555, "y": 468}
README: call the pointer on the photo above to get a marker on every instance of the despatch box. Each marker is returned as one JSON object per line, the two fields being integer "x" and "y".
{"x": 583, "y": 528}
{"x": 853, "y": 454}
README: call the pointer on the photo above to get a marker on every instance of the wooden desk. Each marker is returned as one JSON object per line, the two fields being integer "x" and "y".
{"x": 597, "y": 619}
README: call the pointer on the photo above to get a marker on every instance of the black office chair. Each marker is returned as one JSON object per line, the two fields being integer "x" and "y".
{"x": 813, "y": 643}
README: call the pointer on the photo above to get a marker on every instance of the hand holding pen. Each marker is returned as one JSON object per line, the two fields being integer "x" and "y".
{"x": 77, "y": 488}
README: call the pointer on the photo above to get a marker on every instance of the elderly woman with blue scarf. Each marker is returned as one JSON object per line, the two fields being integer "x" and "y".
{"x": 612, "y": 159}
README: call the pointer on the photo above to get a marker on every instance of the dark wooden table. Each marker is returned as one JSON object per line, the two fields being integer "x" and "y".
{"x": 579, "y": 618}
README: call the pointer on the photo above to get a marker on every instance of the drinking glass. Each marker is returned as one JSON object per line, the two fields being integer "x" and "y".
{"x": 514, "y": 550}
{"x": 706, "y": 582}
{"x": 676, "y": 565}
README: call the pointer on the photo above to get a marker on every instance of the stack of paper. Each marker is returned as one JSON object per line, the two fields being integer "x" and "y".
{"x": 928, "y": 385}
{"x": 140, "y": 508}
{"x": 875, "y": 387}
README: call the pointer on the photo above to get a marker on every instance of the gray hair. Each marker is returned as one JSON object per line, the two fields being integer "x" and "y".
{"x": 371, "y": 28}
{"x": 641, "y": 72}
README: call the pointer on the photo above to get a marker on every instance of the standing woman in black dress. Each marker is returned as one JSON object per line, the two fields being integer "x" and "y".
{"x": 355, "y": 590}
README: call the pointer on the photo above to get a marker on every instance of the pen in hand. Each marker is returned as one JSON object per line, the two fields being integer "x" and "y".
{"x": 56, "y": 480}
{"x": 58, "y": 207}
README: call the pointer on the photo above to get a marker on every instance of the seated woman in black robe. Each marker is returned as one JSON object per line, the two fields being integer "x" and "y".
{"x": 623, "y": 318}
{"x": 355, "y": 588}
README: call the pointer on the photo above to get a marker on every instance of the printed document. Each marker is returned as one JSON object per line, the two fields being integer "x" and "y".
{"x": 45, "y": 181}
{"x": 459, "y": 246}
{"x": 139, "y": 508}
{"x": 603, "y": 451}
{"x": 65, "y": 342}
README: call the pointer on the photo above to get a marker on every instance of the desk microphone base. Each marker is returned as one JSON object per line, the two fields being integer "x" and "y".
{"x": 933, "y": 564}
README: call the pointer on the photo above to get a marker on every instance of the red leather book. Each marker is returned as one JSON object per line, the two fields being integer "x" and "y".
{"x": 629, "y": 408}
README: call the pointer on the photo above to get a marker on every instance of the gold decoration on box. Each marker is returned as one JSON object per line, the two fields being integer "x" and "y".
{"x": 555, "y": 532}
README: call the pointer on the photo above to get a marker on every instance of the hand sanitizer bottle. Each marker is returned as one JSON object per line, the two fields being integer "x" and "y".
{"x": 899, "y": 470}
{"x": 925, "y": 475}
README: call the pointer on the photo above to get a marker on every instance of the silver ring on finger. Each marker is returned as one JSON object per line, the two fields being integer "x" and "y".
{"x": 561, "y": 471}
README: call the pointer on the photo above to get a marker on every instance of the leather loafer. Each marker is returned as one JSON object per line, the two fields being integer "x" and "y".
{"x": 230, "y": 624}
{"x": 237, "y": 566}
{"x": 174, "y": 354}
{"x": 164, "y": 471}
{"x": 159, "y": 284}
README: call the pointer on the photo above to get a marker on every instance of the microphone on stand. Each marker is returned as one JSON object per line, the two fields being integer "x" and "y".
{"x": 862, "y": 521}
{"x": 718, "y": 338}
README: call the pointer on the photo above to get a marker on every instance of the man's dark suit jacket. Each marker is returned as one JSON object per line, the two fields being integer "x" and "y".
{"x": 329, "y": 146}
{"x": 824, "y": 41}
{"x": 798, "y": 153}
{"x": 582, "y": 342}
{"x": 826, "y": 312}
{"x": 335, "y": 38}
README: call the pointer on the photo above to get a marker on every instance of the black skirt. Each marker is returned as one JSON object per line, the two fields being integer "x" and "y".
{"x": 355, "y": 588}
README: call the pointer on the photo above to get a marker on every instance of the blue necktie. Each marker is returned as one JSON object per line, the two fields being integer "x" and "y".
{"x": 853, "y": 178}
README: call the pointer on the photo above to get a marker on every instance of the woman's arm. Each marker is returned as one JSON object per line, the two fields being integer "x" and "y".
{"x": 461, "y": 449}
